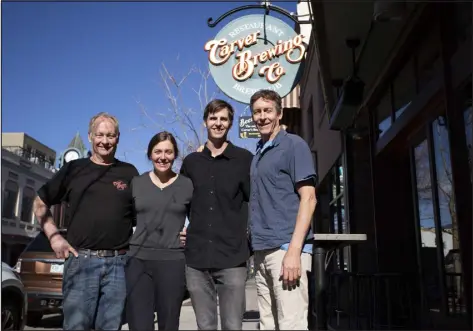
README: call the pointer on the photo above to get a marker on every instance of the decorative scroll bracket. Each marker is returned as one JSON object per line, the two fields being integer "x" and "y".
{"x": 266, "y": 7}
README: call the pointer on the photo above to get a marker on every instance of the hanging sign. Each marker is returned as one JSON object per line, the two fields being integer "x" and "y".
{"x": 255, "y": 52}
{"x": 247, "y": 128}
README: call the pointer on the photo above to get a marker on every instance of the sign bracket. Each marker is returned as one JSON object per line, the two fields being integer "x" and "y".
{"x": 266, "y": 7}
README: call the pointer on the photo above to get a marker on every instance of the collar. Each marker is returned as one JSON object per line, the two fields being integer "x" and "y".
{"x": 271, "y": 143}
{"x": 229, "y": 152}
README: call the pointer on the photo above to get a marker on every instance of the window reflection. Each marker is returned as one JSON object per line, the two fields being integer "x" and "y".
{"x": 467, "y": 115}
{"x": 383, "y": 113}
{"x": 337, "y": 213}
{"x": 447, "y": 215}
{"x": 10, "y": 196}
{"x": 448, "y": 218}
{"x": 340, "y": 178}
{"x": 425, "y": 215}
{"x": 404, "y": 88}
{"x": 27, "y": 204}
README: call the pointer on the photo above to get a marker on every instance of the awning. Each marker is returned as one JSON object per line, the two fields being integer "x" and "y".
{"x": 292, "y": 99}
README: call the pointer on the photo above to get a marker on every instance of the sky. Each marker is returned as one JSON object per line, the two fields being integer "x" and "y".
{"x": 64, "y": 62}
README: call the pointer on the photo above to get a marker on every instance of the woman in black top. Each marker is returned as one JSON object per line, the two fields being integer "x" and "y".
{"x": 155, "y": 274}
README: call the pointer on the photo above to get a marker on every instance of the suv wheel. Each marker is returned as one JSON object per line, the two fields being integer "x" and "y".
{"x": 10, "y": 316}
{"x": 34, "y": 318}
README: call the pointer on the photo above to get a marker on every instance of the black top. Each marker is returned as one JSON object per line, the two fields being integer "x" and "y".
{"x": 100, "y": 212}
{"x": 217, "y": 233}
{"x": 160, "y": 216}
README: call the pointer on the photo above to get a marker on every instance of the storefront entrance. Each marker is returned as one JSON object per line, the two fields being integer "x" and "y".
{"x": 416, "y": 190}
{"x": 437, "y": 230}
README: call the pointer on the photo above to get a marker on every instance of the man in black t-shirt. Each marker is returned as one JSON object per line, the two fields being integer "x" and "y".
{"x": 100, "y": 220}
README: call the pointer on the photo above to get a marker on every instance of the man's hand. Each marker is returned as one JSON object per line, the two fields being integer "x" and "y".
{"x": 291, "y": 268}
{"x": 182, "y": 236}
{"x": 61, "y": 247}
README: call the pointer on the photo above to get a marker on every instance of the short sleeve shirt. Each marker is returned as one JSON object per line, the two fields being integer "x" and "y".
{"x": 276, "y": 169}
{"x": 100, "y": 212}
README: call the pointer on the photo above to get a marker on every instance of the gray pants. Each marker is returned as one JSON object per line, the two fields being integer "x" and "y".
{"x": 229, "y": 284}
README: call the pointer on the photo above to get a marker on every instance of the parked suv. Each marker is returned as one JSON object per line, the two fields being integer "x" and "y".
{"x": 14, "y": 300}
{"x": 41, "y": 273}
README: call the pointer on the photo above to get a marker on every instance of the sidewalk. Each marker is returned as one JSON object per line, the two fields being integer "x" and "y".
{"x": 188, "y": 322}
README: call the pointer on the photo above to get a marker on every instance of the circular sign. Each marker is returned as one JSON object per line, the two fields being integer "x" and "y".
{"x": 255, "y": 52}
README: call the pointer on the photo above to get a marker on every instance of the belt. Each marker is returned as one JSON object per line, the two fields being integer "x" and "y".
{"x": 102, "y": 252}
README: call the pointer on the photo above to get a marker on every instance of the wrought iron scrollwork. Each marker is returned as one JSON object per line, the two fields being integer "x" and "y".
{"x": 267, "y": 7}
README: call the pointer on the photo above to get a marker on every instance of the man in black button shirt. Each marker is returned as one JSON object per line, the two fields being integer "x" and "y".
{"x": 216, "y": 245}
{"x": 100, "y": 219}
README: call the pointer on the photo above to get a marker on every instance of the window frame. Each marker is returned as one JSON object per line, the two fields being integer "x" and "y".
{"x": 32, "y": 197}
{"x": 15, "y": 202}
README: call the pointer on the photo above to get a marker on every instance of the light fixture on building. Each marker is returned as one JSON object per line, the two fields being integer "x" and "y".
{"x": 387, "y": 11}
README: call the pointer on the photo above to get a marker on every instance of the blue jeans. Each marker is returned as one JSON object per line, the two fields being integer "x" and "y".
{"x": 94, "y": 291}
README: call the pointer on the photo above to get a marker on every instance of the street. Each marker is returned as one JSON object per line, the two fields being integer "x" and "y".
{"x": 54, "y": 322}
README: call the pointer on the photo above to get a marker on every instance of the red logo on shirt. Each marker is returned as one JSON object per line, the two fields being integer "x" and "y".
{"x": 120, "y": 185}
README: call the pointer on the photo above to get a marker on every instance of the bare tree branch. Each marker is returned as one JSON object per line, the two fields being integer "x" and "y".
{"x": 179, "y": 117}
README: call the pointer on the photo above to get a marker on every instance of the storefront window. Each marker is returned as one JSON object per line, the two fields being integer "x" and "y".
{"x": 440, "y": 252}
{"x": 404, "y": 88}
{"x": 9, "y": 199}
{"x": 384, "y": 113}
{"x": 447, "y": 215}
{"x": 428, "y": 237}
{"x": 338, "y": 222}
{"x": 413, "y": 77}
{"x": 27, "y": 204}
{"x": 467, "y": 116}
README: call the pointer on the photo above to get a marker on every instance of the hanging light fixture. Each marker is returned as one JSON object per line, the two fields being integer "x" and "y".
{"x": 386, "y": 10}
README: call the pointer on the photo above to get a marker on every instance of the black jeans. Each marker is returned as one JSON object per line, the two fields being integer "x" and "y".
{"x": 154, "y": 286}
{"x": 229, "y": 284}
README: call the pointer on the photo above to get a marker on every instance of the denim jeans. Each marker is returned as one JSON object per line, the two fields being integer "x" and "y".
{"x": 229, "y": 284}
{"x": 94, "y": 291}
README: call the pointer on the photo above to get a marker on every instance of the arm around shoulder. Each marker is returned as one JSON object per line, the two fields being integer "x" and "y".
{"x": 183, "y": 170}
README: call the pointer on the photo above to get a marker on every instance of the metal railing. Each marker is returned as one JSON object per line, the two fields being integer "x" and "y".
{"x": 372, "y": 301}
{"x": 32, "y": 156}
{"x": 455, "y": 294}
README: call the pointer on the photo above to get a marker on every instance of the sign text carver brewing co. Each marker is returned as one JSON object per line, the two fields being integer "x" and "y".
{"x": 247, "y": 62}
{"x": 242, "y": 63}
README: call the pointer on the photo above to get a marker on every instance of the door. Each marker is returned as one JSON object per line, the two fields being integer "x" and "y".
{"x": 438, "y": 247}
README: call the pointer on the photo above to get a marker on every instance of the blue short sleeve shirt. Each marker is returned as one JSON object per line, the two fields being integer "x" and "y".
{"x": 274, "y": 202}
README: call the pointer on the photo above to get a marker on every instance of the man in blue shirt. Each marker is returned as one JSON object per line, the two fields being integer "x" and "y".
{"x": 282, "y": 203}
